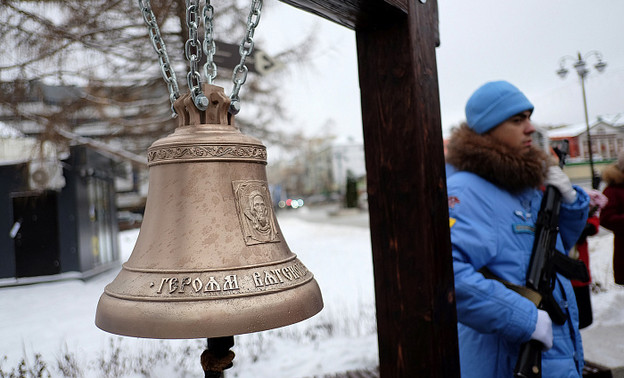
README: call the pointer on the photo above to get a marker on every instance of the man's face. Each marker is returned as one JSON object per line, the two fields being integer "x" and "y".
{"x": 259, "y": 206}
{"x": 515, "y": 132}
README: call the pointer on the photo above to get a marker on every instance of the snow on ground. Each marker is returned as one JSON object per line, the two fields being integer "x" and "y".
{"x": 57, "y": 319}
{"x": 602, "y": 340}
{"x": 608, "y": 304}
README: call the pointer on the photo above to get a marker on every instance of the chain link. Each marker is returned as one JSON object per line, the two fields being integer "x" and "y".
{"x": 239, "y": 75}
{"x": 210, "y": 48}
{"x": 193, "y": 54}
{"x": 160, "y": 48}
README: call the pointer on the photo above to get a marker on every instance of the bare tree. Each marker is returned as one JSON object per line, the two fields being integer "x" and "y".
{"x": 88, "y": 67}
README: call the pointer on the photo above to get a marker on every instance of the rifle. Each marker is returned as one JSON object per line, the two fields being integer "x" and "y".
{"x": 545, "y": 263}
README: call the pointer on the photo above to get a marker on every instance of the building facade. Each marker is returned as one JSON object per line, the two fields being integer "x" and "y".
{"x": 57, "y": 228}
{"x": 607, "y": 139}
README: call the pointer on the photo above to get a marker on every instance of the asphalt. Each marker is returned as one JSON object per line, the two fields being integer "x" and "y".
{"x": 603, "y": 344}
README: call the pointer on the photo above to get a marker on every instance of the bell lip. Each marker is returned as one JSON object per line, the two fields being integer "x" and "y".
{"x": 176, "y": 320}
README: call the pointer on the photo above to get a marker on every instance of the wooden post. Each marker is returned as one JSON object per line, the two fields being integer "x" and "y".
{"x": 414, "y": 286}
{"x": 416, "y": 317}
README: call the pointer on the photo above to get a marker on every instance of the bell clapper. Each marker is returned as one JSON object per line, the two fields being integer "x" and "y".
{"x": 217, "y": 357}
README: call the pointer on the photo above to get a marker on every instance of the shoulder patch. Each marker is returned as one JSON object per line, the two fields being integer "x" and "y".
{"x": 452, "y": 201}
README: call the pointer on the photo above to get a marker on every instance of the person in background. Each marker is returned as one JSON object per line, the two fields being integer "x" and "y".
{"x": 612, "y": 215}
{"x": 597, "y": 201}
{"x": 494, "y": 181}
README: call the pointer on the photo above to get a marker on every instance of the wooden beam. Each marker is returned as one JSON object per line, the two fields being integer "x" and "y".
{"x": 361, "y": 14}
{"x": 414, "y": 287}
{"x": 414, "y": 283}
{"x": 352, "y": 14}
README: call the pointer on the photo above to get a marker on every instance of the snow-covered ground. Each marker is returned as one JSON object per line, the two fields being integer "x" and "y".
{"x": 56, "y": 320}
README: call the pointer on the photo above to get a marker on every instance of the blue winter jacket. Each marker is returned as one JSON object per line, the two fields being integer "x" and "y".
{"x": 495, "y": 229}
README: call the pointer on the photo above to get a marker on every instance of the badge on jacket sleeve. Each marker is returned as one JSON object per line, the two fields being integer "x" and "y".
{"x": 524, "y": 227}
{"x": 452, "y": 201}
{"x": 521, "y": 228}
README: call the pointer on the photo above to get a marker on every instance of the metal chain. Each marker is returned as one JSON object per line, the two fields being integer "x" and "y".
{"x": 159, "y": 46}
{"x": 193, "y": 54}
{"x": 210, "y": 68}
{"x": 239, "y": 75}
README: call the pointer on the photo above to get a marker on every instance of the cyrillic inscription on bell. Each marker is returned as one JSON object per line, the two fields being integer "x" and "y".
{"x": 210, "y": 259}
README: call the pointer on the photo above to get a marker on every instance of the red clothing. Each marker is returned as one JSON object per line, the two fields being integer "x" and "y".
{"x": 612, "y": 218}
{"x": 582, "y": 247}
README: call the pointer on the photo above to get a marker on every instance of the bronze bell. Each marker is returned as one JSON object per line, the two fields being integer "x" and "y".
{"x": 210, "y": 259}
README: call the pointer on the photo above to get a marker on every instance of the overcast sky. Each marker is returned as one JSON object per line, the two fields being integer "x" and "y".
{"x": 481, "y": 40}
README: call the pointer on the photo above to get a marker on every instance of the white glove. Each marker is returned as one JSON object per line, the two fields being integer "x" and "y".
{"x": 543, "y": 330}
{"x": 560, "y": 180}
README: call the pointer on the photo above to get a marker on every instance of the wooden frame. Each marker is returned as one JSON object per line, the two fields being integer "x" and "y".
{"x": 414, "y": 285}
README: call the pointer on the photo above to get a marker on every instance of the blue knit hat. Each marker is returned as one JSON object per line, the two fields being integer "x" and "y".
{"x": 493, "y": 103}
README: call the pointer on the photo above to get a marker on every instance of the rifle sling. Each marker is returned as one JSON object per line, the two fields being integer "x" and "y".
{"x": 529, "y": 294}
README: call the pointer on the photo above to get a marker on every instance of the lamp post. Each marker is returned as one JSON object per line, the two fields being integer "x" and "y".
{"x": 581, "y": 69}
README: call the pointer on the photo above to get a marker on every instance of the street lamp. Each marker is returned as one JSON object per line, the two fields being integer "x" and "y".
{"x": 581, "y": 69}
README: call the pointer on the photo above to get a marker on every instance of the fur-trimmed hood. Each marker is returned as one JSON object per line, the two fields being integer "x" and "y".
{"x": 495, "y": 162}
{"x": 612, "y": 175}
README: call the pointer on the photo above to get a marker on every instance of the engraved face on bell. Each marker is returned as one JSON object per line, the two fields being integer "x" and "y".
{"x": 210, "y": 259}
{"x": 257, "y": 219}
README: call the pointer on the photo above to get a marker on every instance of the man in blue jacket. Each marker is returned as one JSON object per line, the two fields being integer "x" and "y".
{"x": 495, "y": 180}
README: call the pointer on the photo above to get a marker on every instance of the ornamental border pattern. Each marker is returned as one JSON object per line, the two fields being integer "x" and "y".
{"x": 206, "y": 152}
